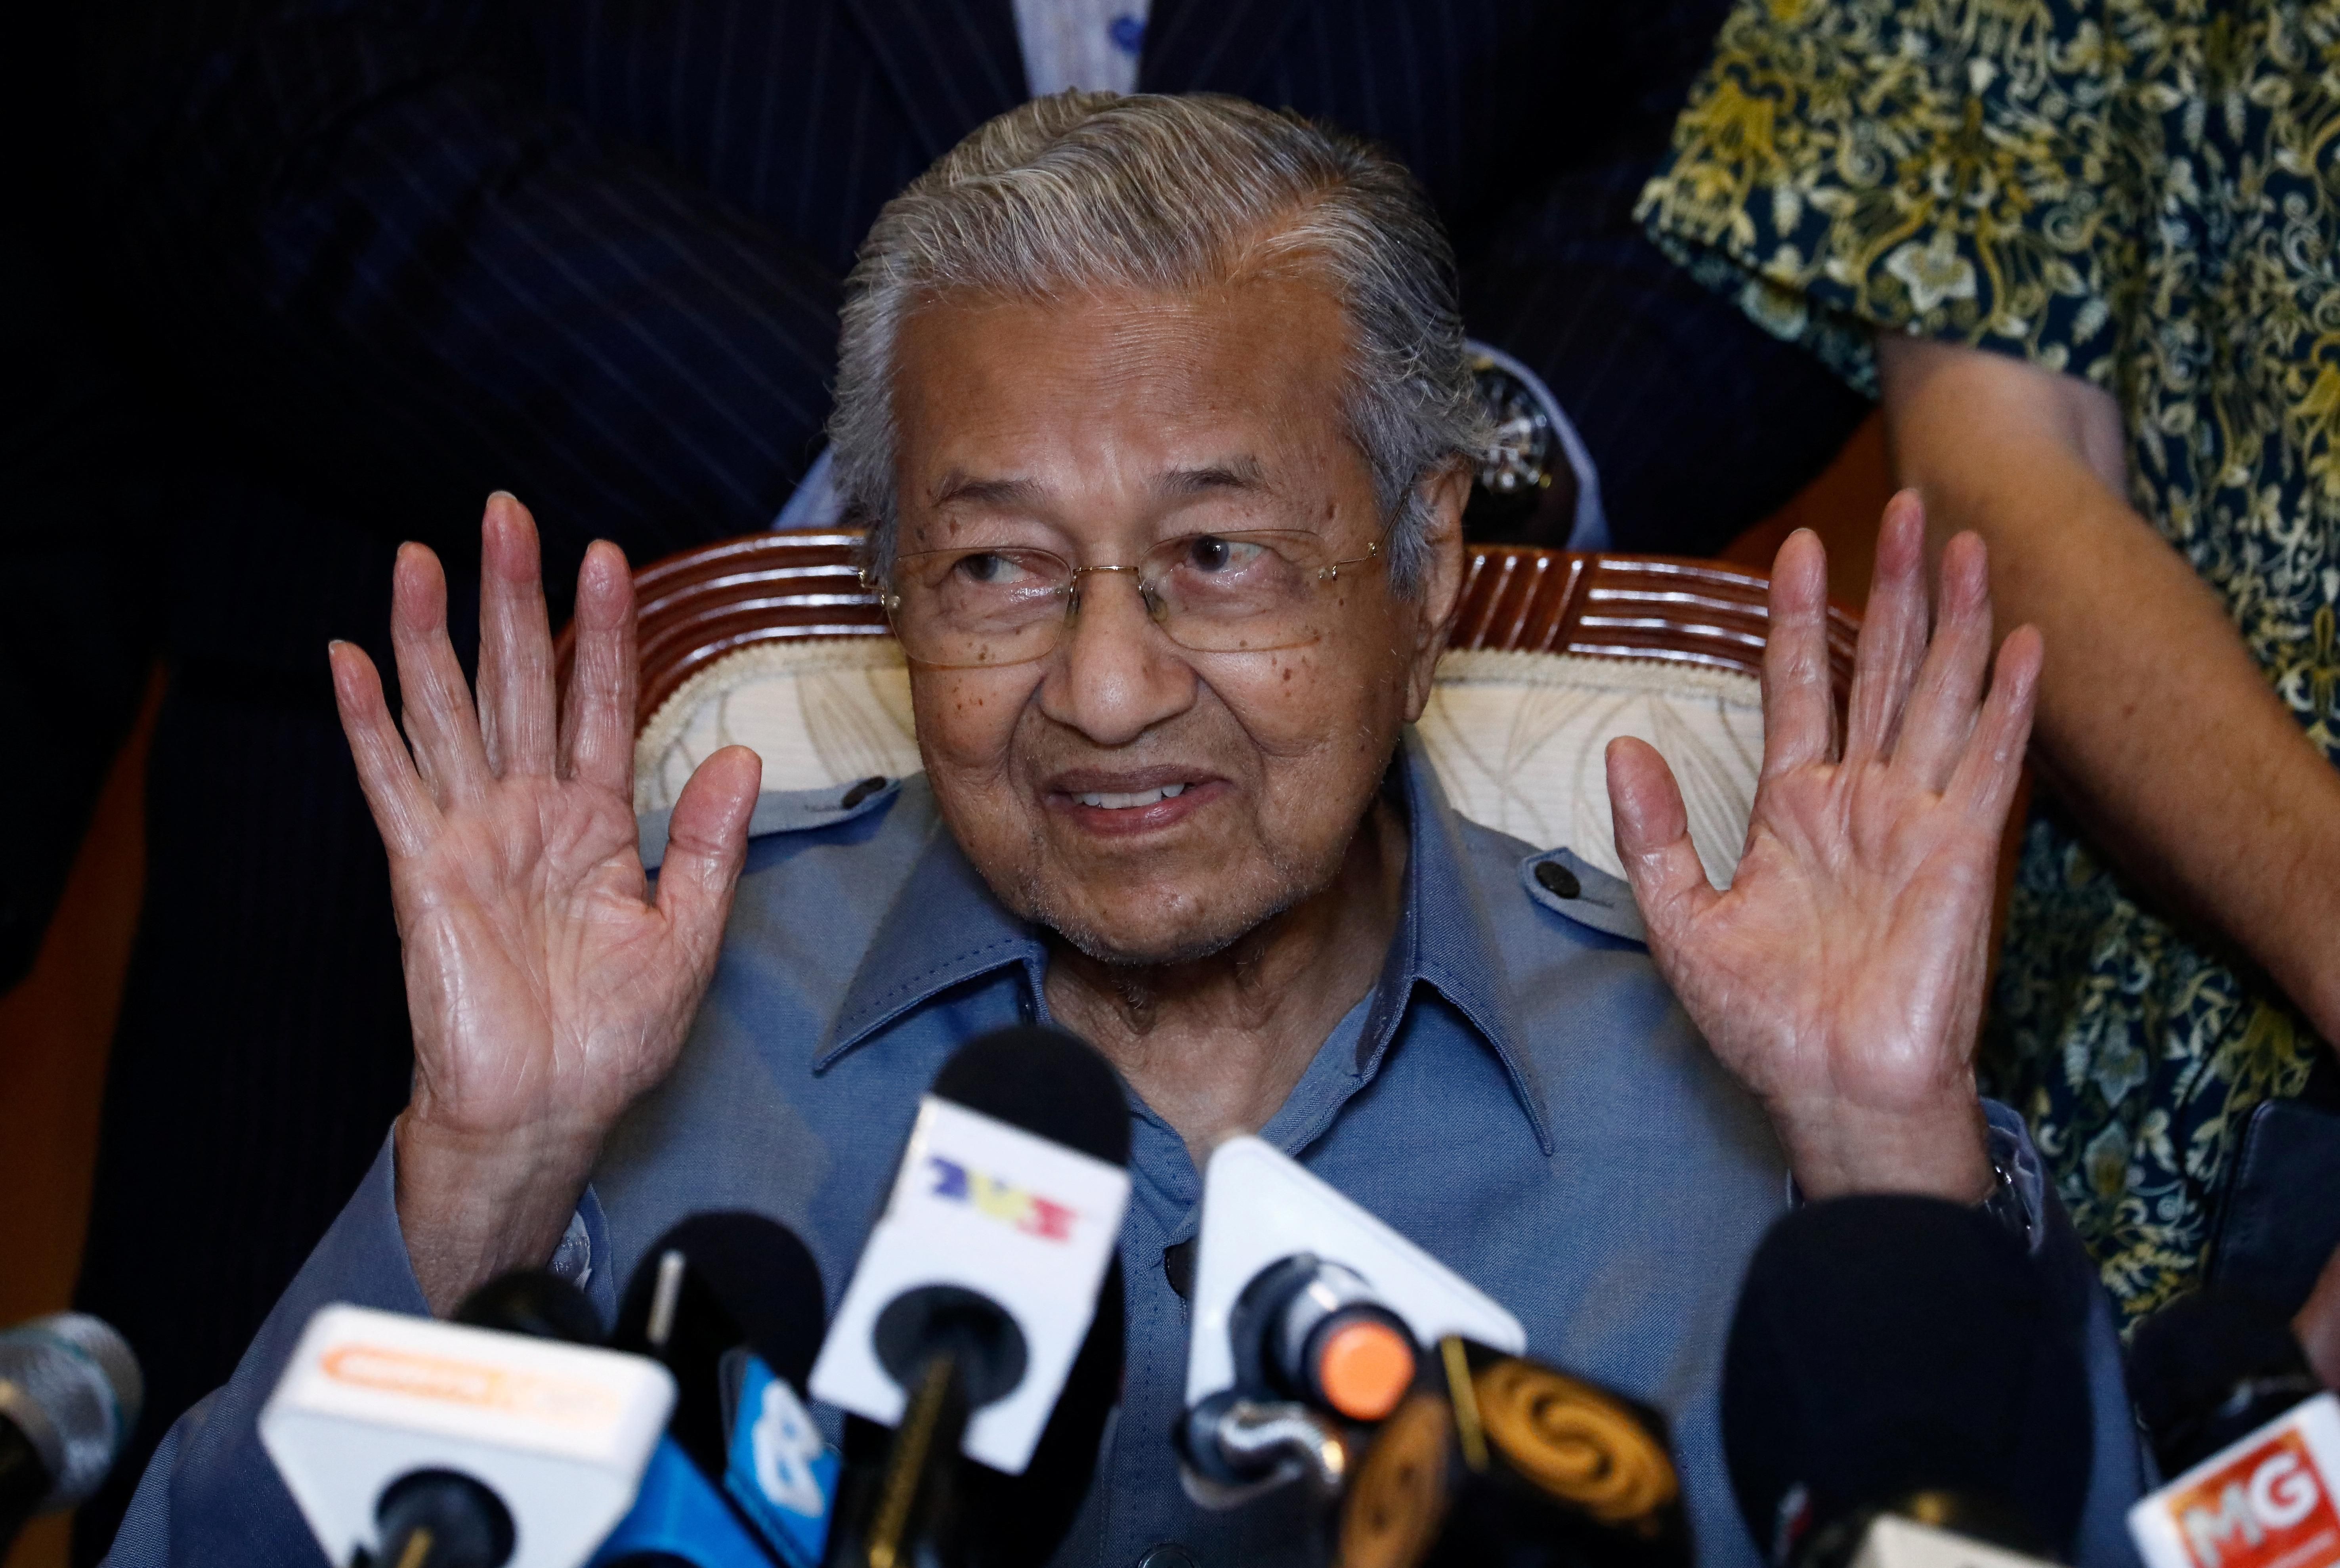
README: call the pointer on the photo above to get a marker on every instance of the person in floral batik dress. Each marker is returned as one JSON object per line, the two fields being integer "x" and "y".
{"x": 2088, "y": 257}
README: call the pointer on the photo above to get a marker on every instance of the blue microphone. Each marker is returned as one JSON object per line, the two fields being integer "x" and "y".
{"x": 731, "y": 1304}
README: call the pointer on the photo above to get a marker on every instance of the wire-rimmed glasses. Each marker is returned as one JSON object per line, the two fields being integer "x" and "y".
{"x": 999, "y": 604}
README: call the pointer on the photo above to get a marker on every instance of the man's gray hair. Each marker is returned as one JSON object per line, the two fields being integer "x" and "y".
{"x": 1091, "y": 193}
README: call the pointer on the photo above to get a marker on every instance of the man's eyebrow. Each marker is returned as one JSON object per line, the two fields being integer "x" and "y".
{"x": 1018, "y": 494}
{"x": 1023, "y": 494}
{"x": 1233, "y": 473}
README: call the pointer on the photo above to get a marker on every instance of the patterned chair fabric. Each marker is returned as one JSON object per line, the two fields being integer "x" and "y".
{"x": 771, "y": 641}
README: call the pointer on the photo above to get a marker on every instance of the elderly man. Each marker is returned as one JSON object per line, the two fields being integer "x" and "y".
{"x": 1157, "y": 407}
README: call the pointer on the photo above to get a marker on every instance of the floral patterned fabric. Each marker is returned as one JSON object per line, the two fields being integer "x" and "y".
{"x": 2144, "y": 194}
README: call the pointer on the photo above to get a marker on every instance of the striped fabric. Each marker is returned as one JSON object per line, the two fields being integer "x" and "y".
{"x": 588, "y": 250}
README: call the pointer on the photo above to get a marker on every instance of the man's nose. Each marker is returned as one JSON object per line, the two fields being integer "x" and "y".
{"x": 1114, "y": 675}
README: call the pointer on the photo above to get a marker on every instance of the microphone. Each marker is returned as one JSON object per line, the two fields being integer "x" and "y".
{"x": 2249, "y": 1432}
{"x": 70, "y": 1391}
{"x": 536, "y": 1303}
{"x": 2210, "y": 1369}
{"x": 984, "y": 1319}
{"x": 732, "y": 1304}
{"x": 409, "y": 1443}
{"x": 1895, "y": 1375}
{"x": 1498, "y": 1459}
{"x": 1309, "y": 1314}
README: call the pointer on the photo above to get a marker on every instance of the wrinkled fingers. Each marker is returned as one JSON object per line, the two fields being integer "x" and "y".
{"x": 1984, "y": 783}
{"x": 707, "y": 847}
{"x": 440, "y": 722}
{"x": 404, "y": 812}
{"x": 597, "y": 730}
{"x": 1893, "y": 632}
{"x": 1654, "y": 841}
{"x": 1798, "y": 712}
{"x": 516, "y": 708}
{"x": 1942, "y": 705}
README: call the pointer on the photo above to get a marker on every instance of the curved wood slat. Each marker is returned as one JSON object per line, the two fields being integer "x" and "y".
{"x": 1628, "y": 607}
{"x": 697, "y": 606}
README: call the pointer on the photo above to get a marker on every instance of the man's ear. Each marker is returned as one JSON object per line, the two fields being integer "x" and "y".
{"x": 1444, "y": 492}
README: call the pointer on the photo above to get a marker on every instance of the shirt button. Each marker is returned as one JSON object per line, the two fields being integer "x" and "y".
{"x": 1558, "y": 880}
{"x": 1169, "y": 1554}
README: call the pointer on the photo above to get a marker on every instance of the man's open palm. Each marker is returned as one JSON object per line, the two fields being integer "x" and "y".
{"x": 549, "y": 990}
{"x": 1840, "y": 976}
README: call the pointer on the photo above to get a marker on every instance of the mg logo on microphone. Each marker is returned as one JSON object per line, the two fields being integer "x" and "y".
{"x": 2264, "y": 1508}
{"x": 1025, "y": 1210}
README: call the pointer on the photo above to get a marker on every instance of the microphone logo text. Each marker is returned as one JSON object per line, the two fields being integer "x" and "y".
{"x": 2266, "y": 1509}
{"x": 1025, "y": 1210}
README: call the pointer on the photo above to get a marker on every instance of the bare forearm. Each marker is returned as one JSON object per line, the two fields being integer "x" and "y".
{"x": 472, "y": 1209}
{"x": 2155, "y": 724}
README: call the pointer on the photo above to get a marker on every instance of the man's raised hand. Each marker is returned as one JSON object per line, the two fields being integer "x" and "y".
{"x": 1840, "y": 978}
{"x": 548, "y": 991}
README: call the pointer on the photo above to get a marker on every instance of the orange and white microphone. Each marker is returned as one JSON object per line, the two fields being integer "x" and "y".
{"x": 1309, "y": 1318}
{"x": 494, "y": 1450}
{"x": 2264, "y": 1502}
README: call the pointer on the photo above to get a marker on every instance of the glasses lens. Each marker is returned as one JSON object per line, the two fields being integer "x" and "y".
{"x": 973, "y": 606}
{"x": 1228, "y": 592}
{"x": 1211, "y": 592}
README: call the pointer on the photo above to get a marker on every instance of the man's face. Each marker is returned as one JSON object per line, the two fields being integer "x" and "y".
{"x": 1150, "y": 803}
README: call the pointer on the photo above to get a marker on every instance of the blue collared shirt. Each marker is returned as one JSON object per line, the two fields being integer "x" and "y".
{"x": 1519, "y": 1093}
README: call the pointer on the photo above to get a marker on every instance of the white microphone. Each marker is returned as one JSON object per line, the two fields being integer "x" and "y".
{"x": 492, "y": 1448}
{"x": 1897, "y": 1541}
{"x": 2263, "y": 1502}
{"x": 983, "y": 1322}
{"x": 1309, "y": 1314}
{"x": 990, "y": 1215}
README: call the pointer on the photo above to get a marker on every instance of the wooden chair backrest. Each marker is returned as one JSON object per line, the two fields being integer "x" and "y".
{"x": 698, "y": 605}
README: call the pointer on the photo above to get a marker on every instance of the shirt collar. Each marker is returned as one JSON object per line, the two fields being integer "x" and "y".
{"x": 1446, "y": 940}
{"x": 945, "y": 928}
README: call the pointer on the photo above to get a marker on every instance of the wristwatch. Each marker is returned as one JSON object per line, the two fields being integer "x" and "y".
{"x": 1524, "y": 486}
{"x": 2006, "y": 1204}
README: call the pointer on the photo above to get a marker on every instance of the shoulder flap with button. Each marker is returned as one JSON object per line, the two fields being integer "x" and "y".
{"x": 1562, "y": 881}
{"x": 784, "y": 811}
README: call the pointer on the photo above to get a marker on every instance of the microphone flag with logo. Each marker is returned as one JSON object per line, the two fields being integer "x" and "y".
{"x": 1309, "y": 1318}
{"x": 492, "y": 1448}
{"x": 2231, "y": 1404}
{"x": 1496, "y": 1458}
{"x": 990, "y": 1200}
{"x": 731, "y": 1304}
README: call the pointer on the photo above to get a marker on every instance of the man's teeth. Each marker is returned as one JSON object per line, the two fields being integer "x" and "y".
{"x": 1113, "y": 802}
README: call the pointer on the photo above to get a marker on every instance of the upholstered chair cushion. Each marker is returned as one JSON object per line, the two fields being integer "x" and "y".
{"x": 1517, "y": 738}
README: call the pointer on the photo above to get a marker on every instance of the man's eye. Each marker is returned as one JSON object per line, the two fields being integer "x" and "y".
{"x": 1210, "y": 553}
{"x": 992, "y": 569}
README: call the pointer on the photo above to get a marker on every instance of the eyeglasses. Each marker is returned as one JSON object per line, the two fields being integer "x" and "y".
{"x": 1210, "y": 592}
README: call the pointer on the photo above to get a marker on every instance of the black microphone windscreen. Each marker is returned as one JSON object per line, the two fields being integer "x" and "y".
{"x": 1884, "y": 1346}
{"x": 748, "y": 1278}
{"x": 1046, "y": 1081}
{"x": 69, "y": 1382}
{"x": 535, "y": 1302}
{"x": 2210, "y": 1369}
{"x": 743, "y": 1280}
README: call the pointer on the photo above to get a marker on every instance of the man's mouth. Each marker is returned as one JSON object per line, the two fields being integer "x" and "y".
{"x": 1132, "y": 802}
{"x": 1110, "y": 802}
